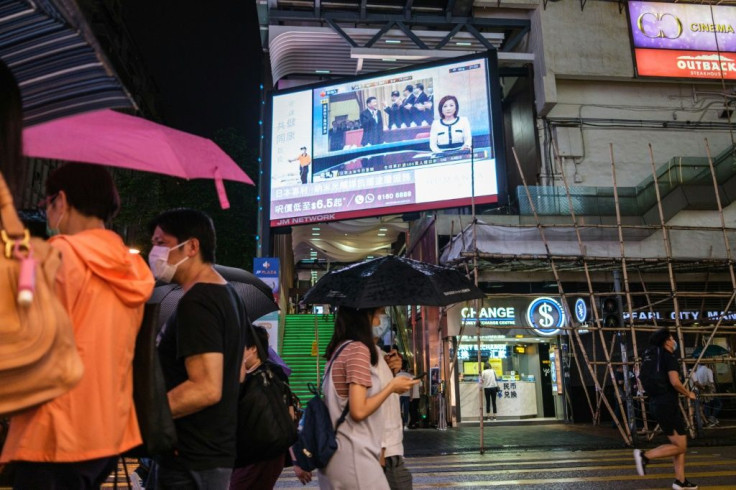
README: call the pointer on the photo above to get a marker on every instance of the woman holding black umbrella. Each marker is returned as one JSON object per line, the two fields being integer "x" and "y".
{"x": 354, "y": 382}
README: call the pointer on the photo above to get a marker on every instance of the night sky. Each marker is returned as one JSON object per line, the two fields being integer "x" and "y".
{"x": 206, "y": 60}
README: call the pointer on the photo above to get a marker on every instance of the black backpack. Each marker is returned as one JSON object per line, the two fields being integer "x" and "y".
{"x": 653, "y": 378}
{"x": 265, "y": 426}
{"x": 317, "y": 439}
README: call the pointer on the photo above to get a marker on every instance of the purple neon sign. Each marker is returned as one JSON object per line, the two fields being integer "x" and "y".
{"x": 657, "y": 25}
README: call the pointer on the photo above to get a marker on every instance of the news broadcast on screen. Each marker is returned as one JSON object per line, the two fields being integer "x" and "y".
{"x": 397, "y": 142}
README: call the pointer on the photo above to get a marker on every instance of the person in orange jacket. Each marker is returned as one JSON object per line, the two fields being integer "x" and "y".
{"x": 73, "y": 441}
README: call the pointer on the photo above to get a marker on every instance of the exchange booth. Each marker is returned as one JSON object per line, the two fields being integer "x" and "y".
{"x": 519, "y": 339}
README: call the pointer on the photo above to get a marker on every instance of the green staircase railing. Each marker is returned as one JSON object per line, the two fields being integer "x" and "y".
{"x": 296, "y": 350}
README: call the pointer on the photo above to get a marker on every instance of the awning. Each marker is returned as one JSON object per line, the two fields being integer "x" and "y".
{"x": 56, "y": 60}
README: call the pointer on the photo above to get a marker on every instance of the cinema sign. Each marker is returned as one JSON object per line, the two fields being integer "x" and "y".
{"x": 676, "y": 40}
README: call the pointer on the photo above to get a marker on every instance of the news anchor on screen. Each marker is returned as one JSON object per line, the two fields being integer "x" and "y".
{"x": 450, "y": 131}
{"x": 371, "y": 121}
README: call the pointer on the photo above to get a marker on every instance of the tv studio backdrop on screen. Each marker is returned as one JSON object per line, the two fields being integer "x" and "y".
{"x": 376, "y": 145}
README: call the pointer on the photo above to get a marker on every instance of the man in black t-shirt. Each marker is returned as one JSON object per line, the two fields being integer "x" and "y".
{"x": 201, "y": 350}
{"x": 667, "y": 413}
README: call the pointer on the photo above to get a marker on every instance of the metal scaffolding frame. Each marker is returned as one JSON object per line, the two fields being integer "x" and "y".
{"x": 623, "y": 406}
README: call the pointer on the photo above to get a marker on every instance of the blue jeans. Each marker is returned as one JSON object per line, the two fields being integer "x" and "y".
{"x": 180, "y": 479}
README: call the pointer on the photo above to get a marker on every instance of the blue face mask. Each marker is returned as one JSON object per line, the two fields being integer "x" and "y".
{"x": 380, "y": 330}
{"x": 54, "y": 231}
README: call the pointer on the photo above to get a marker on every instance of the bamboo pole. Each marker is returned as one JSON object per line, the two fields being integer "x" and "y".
{"x": 581, "y": 247}
{"x": 624, "y": 270}
{"x": 673, "y": 283}
{"x": 553, "y": 266}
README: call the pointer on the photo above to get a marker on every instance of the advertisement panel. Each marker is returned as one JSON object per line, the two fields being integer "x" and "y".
{"x": 419, "y": 138}
{"x": 678, "y": 40}
{"x": 267, "y": 270}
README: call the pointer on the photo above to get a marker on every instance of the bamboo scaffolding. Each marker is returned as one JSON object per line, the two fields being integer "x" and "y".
{"x": 673, "y": 283}
{"x": 561, "y": 290}
{"x": 704, "y": 324}
{"x": 627, "y": 385}
{"x": 591, "y": 296}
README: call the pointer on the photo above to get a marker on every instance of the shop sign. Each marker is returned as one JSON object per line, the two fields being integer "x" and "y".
{"x": 508, "y": 389}
{"x": 490, "y": 316}
{"x": 683, "y": 40}
{"x": 493, "y": 351}
{"x": 713, "y": 316}
{"x": 581, "y": 310}
{"x": 545, "y": 316}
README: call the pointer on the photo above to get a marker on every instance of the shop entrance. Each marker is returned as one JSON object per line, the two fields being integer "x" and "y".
{"x": 525, "y": 374}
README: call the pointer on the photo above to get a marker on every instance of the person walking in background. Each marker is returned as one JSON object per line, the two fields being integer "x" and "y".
{"x": 703, "y": 380}
{"x": 304, "y": 161}
{"x": 201, "y": 352}
{"x": 490, "y": 388}
{"x": 415, "y": 398}
{"x": 256, "y": 474}
{"x": 392, "y": 443}
{"x": 354, "y": 379}
{"x": 667, "y": 413}
{"x": 371, "y": 121}
{"x": 74, "y": 440}
{"x": 405, "y": 398}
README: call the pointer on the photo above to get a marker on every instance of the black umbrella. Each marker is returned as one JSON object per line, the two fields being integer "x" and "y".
{"x": 56, "y": 60}
{"x": 712, "y": 350}
{"x": 256, "y": 294}
{"x": 392, "y": 280}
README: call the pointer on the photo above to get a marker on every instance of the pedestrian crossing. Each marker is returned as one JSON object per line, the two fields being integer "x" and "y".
{"x": 712, "y": 468}
{"x": 609, "y": 469}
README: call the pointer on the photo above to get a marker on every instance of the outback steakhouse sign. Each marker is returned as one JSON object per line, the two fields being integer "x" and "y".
{"x": 683, "y": 40}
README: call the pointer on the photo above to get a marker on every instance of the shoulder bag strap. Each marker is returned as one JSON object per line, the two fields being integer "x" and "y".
{"x": 11, "y": 224}
{"x": 347, "y": 405}
{"x": 243, "y": 317}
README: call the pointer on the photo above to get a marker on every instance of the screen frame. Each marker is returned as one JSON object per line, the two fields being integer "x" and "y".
{"x": 495, "y": 111}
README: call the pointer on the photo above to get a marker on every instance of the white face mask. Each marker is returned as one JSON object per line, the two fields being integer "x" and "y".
{"x": 380, "y": 330}
{"x": 158, "y": 260}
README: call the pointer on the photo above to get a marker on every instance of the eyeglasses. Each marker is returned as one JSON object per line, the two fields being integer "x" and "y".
{"x": 47, "y": 201}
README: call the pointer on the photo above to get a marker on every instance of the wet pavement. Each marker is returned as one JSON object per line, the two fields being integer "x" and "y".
{"x": 550, "y": 435}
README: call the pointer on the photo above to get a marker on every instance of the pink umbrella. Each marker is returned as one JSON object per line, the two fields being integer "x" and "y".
{"x": 119, "y": 140}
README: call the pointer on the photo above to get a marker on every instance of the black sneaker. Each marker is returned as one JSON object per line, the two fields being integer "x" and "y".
{"x": 641, "y": 462}
{"x": 678, "y": 485}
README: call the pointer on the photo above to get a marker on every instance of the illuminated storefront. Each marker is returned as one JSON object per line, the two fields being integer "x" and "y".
{"x": 519, "y": 339}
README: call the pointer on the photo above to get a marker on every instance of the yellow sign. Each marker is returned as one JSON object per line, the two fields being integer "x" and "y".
{"x": 471, "y": 367}
{"x": 315, "y": 349}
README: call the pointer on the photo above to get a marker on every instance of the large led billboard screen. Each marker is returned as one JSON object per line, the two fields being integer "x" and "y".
{"x": 387, "y": 143}
{"x": 682, "y": 40}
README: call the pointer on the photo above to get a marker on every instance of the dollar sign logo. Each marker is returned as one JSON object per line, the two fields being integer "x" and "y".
{"x": 544, "y": 311}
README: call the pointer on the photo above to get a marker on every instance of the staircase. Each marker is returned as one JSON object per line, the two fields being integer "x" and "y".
{"x": 296, "y": 350}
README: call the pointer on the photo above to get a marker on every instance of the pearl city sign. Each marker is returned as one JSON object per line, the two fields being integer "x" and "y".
{"x": 677, "y": 40}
